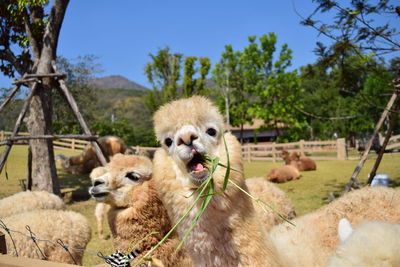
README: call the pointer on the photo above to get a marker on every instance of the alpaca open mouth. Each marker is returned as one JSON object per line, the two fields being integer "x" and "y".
{"x": 197, "y": 169}
{"x": 97, "y": 194}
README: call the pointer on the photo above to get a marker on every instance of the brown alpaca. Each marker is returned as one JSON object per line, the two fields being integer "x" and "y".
{"x": 282, "y": 174}
{"x": 303, "y": 163}
{"x": 136, "y": 210}
{"x": 228, "y": 233}
{"x": 85, "y": 162}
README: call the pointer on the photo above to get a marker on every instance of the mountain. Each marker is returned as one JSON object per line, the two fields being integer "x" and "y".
{"x": 115, "y": 82}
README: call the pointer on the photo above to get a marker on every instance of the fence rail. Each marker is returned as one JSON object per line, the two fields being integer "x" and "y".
{"x": 328, "y": 150}
{"x": 318, "y": 150}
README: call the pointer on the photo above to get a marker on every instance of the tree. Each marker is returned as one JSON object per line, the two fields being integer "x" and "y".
{"x": 28, "y": 44}
{"x": 356, "y": 26}
{"x": 255, "y": 86}
{"x": 165, "y": 72}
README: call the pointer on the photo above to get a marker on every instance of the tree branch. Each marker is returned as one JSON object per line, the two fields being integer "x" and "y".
{"x": 31, "y": 38}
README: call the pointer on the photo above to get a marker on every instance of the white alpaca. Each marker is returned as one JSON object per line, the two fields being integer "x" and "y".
{"x": 70, "y": 227}
{"x": 28, "y": 201}
{"x": 373, "y": 243}
{"x": 229, "y": 232}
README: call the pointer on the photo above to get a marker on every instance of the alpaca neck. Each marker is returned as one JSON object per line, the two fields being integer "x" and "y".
{"x": 136, "y": 222}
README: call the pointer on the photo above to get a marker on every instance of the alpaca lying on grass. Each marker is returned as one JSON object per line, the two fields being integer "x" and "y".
{"x": 136, "y": 214}
{"x": 301, "y": 163}
{"x": 314, "y": 238}
{"x": 228, "y": 233}
{"x": 283, "y": 174}
{"x": 372, "y": 243}
{"x": 28, "y": 201}
{"x": 70, "y": 227}
{"x": 85, "y": 162}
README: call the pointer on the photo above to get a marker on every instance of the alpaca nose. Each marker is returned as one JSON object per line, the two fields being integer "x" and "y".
{"x": 98, "y": 182}
{"x": 187, "y": 138}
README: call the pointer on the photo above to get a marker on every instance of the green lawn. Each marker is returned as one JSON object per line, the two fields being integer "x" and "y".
{"x": 307, "y": 194}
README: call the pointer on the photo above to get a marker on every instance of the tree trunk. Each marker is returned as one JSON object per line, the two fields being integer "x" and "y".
{"x": 44, "y": 173}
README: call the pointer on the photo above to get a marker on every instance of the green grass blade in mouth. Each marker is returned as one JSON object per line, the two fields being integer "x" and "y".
{"x": 228, "y": 167}
{"x": 260, "y": 201}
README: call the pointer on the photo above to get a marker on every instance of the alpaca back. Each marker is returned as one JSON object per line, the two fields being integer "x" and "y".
{"x": 314, "y": 238}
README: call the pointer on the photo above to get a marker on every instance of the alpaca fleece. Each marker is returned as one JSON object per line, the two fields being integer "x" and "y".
{"x": 71, "y": 227}
{"x": 229, "y": 232}
{"x": 28, "y": 201}
{"x": 314, "y": 238}
{"x": 135, "y": 209}
{"x": 373, "y": 243}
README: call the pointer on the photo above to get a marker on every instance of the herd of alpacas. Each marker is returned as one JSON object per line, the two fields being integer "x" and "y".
{"x": 143, "y": 199}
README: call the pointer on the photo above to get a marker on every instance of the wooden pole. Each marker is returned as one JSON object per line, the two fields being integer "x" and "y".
{"x": 79, "y": 116}
{"x": 21, "y": 116}
{"x": 389, "y": 132}
{"x": 55, "y": 136}
{"x": 3, "y": 245}
{"x": 353, "y": 178}
{"x": 9, "y": 97}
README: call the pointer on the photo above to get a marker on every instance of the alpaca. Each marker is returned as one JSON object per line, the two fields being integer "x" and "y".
{"x": 70, "y": 227}
{"x": 314, "y": 238}
{"x": 303, "y": 163}
{"x": 135, "y": 209}
{"x": 274, "y": 197}
{"x": 228, "y": 233}
{"x": 282, "y": 174}
{"x": 373, "y": 243}
{"x": 85, "y": 162}
{"x": 29, "y": 200}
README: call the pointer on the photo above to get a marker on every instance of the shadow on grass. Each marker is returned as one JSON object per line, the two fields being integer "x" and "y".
{"x": 74, "y": 187}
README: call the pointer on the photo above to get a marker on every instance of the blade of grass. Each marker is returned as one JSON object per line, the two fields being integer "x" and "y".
{"x": 263, "y": 202}
{"x": 203, "y": 187}
{"x": 132, "y": 247}
{"x": 228, "y": 167}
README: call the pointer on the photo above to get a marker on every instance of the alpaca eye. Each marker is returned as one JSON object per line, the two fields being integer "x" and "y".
{"x": 211, "y": 131}
{"x": 168, "y": 142}
{"x": 131, "y": 176}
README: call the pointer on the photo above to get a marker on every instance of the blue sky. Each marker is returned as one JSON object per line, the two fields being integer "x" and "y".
{"x": 122, "y": 33}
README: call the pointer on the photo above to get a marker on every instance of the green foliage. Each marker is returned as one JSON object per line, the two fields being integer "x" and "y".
{"x": 78, "y": 76}
{"x": 256, "y": 85}
{"x": 15, "y": 15}
{"x": 131, "y": 135}
{"x": 164, "y": 73}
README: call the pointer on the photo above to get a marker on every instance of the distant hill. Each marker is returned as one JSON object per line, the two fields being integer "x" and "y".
{"x": 115, "y": 82}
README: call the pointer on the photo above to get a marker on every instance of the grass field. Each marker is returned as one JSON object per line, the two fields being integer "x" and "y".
{"x": 307, "y": 194}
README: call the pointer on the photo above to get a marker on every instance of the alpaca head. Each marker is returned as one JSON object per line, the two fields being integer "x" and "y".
{"x": 115, "y": 183}
{"x": 189, "y": 129}
{"x": 295, "y": 156}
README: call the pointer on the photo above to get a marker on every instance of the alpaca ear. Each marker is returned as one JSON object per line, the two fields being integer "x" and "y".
{"x": 344, "y": 229}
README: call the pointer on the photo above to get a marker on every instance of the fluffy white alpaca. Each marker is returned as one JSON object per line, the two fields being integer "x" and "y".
{"x": 373, "y": 243}
{"x": 314, "y": 238}
{"x": 229, "y": 232}
{"x": 29, "y": 200}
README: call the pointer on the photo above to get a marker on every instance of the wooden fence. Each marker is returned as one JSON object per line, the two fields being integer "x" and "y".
{"x": 318, "y": 150}
{"x": 75, "y": 144}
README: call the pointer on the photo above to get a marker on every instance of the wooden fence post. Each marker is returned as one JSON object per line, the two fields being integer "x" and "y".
{"x": 249, "y": 154}
{"x": 341, "y": 149}
{"x": 273, "y": 152}
{"x": 302, "y": 147}
{"x": 3, "y": 245}
{"x": 73, "y": 144}
{"x": 2, "y": 136}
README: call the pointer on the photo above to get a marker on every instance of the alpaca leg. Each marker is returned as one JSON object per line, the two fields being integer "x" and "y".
{"x": 99, "y": 212}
